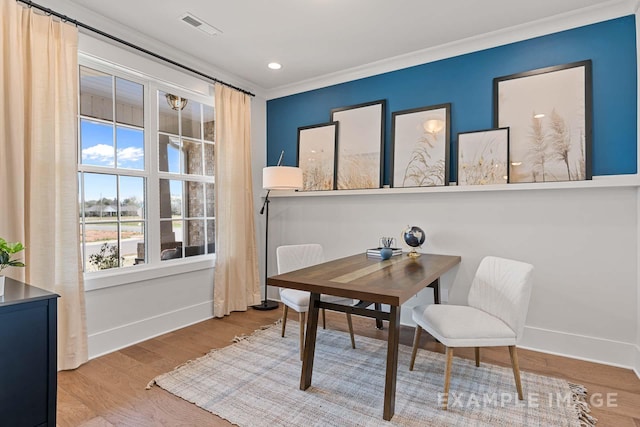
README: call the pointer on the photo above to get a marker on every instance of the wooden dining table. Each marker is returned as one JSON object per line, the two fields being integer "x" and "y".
{"x": 369, "y": 280}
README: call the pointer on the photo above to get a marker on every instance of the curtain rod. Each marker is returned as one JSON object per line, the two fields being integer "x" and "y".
{"x": 65, "y": 18}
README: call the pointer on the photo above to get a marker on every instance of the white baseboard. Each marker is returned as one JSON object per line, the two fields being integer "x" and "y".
{"x": 103, "y": 342}
{"x": 636, "y": 367}
{"x": 581, "y": 347}
{"x": 591, "y": 349}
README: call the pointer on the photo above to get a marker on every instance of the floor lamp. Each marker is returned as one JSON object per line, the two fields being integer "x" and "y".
{"x": 275, "y": 178}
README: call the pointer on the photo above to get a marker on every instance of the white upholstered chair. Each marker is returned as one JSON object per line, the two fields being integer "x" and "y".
{"x": 295, "y": 257}
{"x": 497, "y": 308}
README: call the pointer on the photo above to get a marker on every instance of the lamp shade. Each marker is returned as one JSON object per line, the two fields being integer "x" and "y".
{"x": 281, "y": 178}
{"x": 176, "y": 102}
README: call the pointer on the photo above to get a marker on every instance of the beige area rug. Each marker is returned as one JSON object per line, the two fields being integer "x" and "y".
{"x": 255, "y": 382}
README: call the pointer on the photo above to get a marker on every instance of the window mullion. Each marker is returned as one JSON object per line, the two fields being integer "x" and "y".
{"x": 153, "y": 187}
{"x": 114, "y": 124}
{"x": 110, "y": 171}
{"x": 83, "y": 230}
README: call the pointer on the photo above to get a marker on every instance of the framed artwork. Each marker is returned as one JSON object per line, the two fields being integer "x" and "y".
{"x": 420, "y": 146}
{"x": 549, "y": 115}
{"x": 360, "y": 145}
{"x": 317, "y": 155}
{"x": 483, "y": 157}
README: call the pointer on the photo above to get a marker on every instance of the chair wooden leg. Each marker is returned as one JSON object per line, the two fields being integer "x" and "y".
{"x": 516, "y": 369}
{"x": 284, "y": 318}
{"x": 447, "y": 378}
{"x": 302, "y": 321}
{"x": 416, "y": 340}
{"x": 324, "y": 320}
{"x": 477, "y": 356}
{"x": 350, "y": 323}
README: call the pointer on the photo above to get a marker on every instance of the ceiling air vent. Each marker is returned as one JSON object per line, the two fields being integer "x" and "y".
{"x": 198, "y": 23}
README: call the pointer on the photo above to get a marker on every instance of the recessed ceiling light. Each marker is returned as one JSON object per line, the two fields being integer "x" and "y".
{"x": 538, "y": 116}
{"x": 274, "y": 65}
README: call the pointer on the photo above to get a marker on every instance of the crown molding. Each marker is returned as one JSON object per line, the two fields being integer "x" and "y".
{"x": 589, "y": 15}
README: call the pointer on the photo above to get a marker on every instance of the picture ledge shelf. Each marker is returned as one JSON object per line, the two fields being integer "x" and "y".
{"x": 597, "y": 182}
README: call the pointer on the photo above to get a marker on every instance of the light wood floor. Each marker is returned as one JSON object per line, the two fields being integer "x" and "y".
{"x": 110, "y": 390}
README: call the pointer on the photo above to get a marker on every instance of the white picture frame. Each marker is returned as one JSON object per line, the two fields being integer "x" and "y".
{"x": 549, "y": 113}
{"x": 317, "y": 156}
{"x": 360, "y": 149}
{"x": 483, "y": 157}
{"x": 420, "y": 147}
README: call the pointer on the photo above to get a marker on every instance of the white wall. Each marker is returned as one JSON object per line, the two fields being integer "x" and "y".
{"x": 119, "y": 316}
{"x": 582, "y": 242}
{"x": 585, "y": 243}
{"x": 125, "y": 308}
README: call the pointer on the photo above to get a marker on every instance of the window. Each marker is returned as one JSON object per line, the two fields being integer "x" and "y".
{"x": 112, "y": 171}
{"x": 145, "y": 170}
{"x": 186, "y": 183}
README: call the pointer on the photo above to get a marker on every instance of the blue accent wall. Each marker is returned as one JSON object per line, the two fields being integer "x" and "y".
{"x": 466, "y": 81}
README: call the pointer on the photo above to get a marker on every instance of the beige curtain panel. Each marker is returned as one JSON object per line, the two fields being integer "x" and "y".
{"x": 38, "y": 193}
{"x": 236, "y": 283}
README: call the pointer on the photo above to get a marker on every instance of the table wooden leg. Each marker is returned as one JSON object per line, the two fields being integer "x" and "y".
{"x": 392, "y": 363}
{"x": 310, "y": 341}
{"x": 435, "y": 285}
{"x": 436, "y": 290}
{"x": 378, "y": 307}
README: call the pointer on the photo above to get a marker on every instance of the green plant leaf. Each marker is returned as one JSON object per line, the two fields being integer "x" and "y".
{"x": 16, "y": 247}
{"x": 8, "y": 249}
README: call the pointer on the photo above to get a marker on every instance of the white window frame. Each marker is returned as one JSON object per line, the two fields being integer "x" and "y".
{"x": 153, "y": 267}
{"x": 182, "y": 175}
{"x": 115, "y": 171}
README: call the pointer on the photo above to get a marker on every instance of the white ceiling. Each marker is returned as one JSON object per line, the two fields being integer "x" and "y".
{"x": 313, "y": 38}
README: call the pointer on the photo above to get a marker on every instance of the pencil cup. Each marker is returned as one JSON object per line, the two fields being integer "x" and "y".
{"x": 387, "y": 242}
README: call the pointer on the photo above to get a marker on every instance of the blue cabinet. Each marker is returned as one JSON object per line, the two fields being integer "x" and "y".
{"x": 28, "y": 356}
